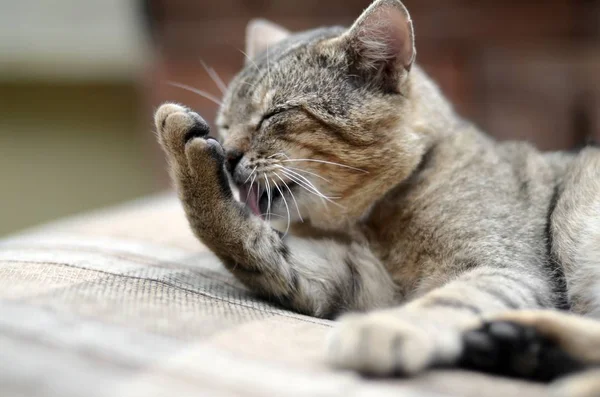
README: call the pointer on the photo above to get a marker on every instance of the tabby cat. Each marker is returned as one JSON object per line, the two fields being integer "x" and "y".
{"x": 346, "y": 183}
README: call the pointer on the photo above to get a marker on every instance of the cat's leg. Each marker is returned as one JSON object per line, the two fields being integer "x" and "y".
{"x": 575, "y": 231}
{"x": 546, "y": 345}
{"x": 428, "y": 331}
{"x": 318, "y": 277}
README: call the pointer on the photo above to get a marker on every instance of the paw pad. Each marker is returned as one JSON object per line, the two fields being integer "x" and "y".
{"x": 516, "y": 350}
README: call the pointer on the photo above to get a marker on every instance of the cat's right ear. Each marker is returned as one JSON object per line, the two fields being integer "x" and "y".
{"x": 262, "y": 34}
{"x": 381, "y": 43}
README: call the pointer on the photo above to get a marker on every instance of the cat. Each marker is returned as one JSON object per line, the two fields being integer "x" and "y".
{"x": 346, "y": 185}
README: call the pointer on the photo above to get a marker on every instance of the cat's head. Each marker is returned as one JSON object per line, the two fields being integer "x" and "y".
{"x": 321, "y": 124}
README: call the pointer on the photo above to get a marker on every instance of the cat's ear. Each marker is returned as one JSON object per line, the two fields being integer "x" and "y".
{"x": 262, "y": 34}
{"x": 381, "y": 43}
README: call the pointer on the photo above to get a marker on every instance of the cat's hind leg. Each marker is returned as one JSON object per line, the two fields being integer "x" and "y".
{"x": 575, "y": 232}
{"x": 428, "y": 330}
{"x": 541, "y": 345}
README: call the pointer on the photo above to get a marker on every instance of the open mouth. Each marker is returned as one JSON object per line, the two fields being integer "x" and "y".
{"x": 258, "y": 198}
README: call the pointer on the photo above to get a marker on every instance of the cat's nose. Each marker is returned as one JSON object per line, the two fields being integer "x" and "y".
{"x": 233, "y": 158}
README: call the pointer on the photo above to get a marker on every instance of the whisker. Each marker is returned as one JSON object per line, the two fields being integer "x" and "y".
{"x": 196, "y": 91}
{"x": 308, "y": 189}
{"x": 258, "y": 189}
{"x": 308, "y": 172}
{"x": 215, "y": 77}
{"x": 277, "y": 215}
{"x": 251, "y": 174}
{"x": 287, "y": 229}
{"x": 304, "y": 183}
{"x": 249, "y": 190}
{"x": 268, "y": 187}
{"x": 291, "y": 194}
{"x": 278, "y": 154}
{"x": 304, "y": 178}
{"x": 327, "y": 162}
{"x": 300, "y": 183}
{"x": 249, "y": 59}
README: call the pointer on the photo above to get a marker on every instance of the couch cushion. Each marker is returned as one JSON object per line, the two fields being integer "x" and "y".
{"x": 126, "y": 302}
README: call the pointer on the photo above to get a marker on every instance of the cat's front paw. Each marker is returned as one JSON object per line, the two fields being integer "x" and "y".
{"x": 196, "y": 160}
{"x": 388, "y": 343}
{"x": 184, "y": 136}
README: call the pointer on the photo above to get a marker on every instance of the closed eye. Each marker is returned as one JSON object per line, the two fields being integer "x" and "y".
{"x": 270, "y": 114}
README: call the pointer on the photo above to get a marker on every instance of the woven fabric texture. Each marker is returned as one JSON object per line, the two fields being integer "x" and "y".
{"x": 126, "y": 302}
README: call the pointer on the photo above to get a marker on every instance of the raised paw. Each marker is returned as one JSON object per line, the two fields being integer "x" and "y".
{"x": 196, "y": 161}
{"x": 513, "y": 349}
{"x": 183, "y": 134}
{"x": 177, "y": 125}
{"x": 384, "y": 344}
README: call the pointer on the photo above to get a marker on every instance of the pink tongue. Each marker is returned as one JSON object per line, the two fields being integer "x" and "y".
{"x": 250, "y": 198}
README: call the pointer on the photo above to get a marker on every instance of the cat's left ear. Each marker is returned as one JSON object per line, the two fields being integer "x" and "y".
{"x": 381, "y": 43}
{"x": 262, "y": 34}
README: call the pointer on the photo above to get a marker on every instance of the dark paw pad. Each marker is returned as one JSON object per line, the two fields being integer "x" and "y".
{"x": 515, "y": 350}
{"x": 199, "y": 130}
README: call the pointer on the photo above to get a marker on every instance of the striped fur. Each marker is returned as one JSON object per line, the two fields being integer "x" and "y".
{"x": 386, "y": 201}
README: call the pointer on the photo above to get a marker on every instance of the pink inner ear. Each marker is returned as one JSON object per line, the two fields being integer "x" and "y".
{"x": 386, "y": 34}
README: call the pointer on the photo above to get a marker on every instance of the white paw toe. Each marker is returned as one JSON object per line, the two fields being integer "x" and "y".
{"x": 380, "y": 344}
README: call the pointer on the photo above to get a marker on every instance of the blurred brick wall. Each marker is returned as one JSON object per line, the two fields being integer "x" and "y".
{"x": 521, "y": 69}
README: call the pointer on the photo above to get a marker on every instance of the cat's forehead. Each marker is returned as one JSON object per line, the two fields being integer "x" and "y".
{"x": 296, "y": 70}
{"x": 293, "y": 68}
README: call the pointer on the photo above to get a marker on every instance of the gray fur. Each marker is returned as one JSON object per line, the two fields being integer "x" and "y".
{"x": 425, "y": 222}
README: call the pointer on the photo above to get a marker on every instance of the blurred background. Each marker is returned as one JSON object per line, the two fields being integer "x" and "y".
{"x": 79, "y": 81}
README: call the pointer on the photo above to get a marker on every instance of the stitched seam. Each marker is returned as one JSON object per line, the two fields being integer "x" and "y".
{"x": 168, "y": 284}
